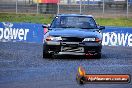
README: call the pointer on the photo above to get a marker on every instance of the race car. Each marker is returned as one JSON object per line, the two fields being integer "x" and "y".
{"x": 73, "y": 34}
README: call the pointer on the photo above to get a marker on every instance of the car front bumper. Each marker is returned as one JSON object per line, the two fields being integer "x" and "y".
{"x": 89, "y": 48}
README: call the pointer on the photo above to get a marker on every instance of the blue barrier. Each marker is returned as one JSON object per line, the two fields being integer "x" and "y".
{"x": 30, "y": 32}
{"x": 21, "y": 32}
{"x": 117, "y": 36}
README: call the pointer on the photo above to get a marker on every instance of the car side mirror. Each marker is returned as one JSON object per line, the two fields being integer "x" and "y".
{"x": 45, "y": 26}
{"x": 101, "y": 27}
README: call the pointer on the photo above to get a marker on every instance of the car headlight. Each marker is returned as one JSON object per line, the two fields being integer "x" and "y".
{"x": 51, "y": 38}
{"x": 91, "y": 40}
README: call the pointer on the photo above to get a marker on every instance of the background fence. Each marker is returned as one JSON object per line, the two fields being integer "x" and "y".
{"x": 98, "y": 8}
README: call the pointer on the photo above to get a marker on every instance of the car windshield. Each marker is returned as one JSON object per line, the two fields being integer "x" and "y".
{"x": 82, "y": 22}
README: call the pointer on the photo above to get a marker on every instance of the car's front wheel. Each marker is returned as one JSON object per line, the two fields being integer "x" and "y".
{"x": 99, "y": 55}
{"x": 46, "y": 55}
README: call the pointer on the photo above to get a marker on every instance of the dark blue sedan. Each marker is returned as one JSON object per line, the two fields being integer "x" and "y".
{"x": 73, "y": 34}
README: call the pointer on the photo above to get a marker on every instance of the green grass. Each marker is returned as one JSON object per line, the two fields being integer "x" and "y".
{"x": 34, "y": 18}
{"x": 41, "y": 18}
{"x": 127, "y": 22}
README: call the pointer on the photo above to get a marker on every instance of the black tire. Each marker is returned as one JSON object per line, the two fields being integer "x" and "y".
{"x": 46, "y": 55}
{"x": 99, "y": 55}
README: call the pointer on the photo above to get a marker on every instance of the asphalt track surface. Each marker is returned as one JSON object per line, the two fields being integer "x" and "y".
{"x": 22, "y": 66}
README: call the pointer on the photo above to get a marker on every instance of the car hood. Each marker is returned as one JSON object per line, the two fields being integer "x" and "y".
{"x": 73, "y": 32}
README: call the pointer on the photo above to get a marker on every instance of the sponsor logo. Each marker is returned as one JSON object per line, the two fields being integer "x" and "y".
{"x": 117, "y": 39}
{"x": 83, "y": 78}
{"x": 9, "y": 33}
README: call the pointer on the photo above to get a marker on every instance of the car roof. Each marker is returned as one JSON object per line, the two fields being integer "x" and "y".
{"x": 74, "y": 15}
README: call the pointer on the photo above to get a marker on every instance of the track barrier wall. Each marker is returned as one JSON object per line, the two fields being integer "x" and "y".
{"x": 31, "y": 32}
{"x": 117, "y": 36}
{"x": 21, "y": 32}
